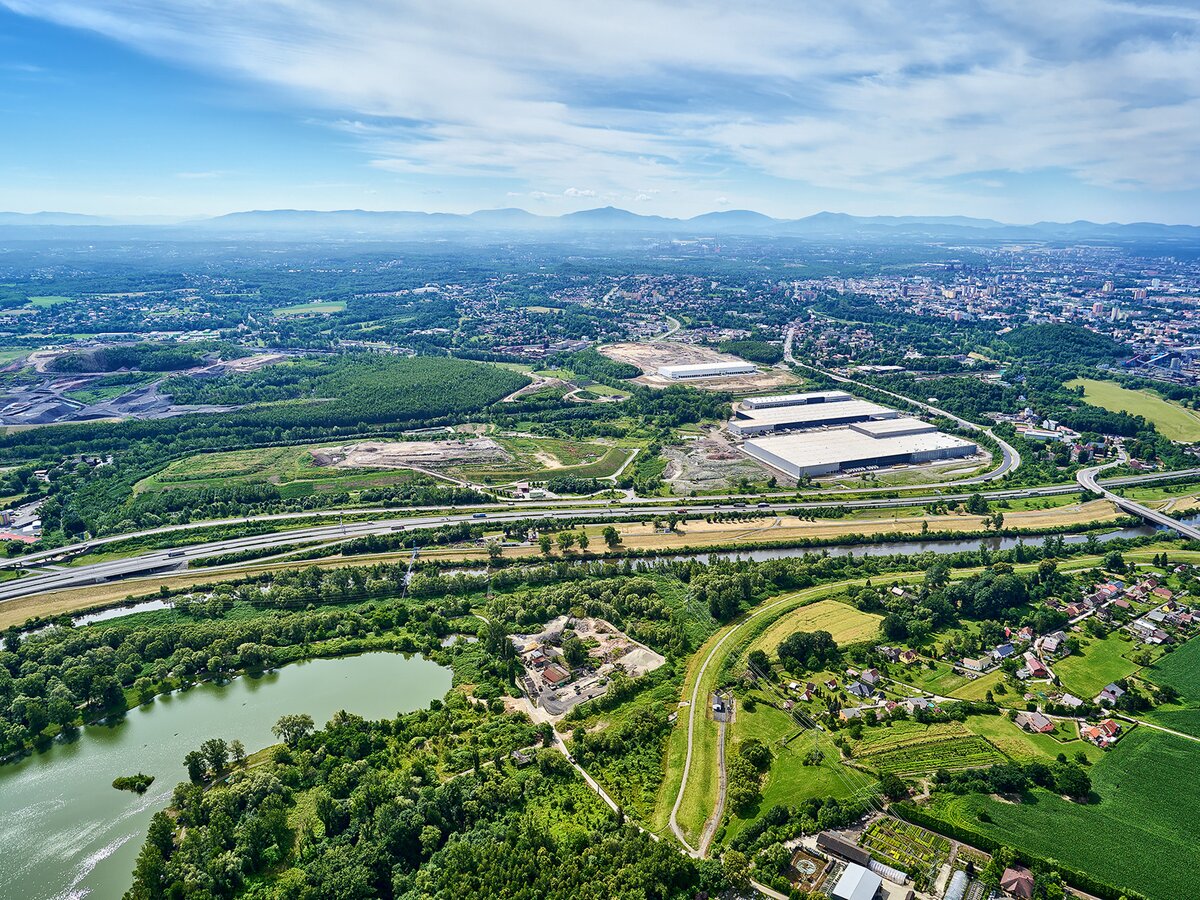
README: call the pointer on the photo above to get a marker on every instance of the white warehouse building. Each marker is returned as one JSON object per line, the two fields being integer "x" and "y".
{"x": 773, "y": 400}
{"x": 747, "y": 422}
{"x": 862, "y": 445}
{"x": 707, "y": 370}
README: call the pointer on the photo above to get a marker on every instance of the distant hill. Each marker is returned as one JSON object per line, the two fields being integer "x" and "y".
{"x": 372, "y": 224}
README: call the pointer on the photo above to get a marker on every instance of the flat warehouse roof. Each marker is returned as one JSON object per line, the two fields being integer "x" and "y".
{"x": 794, "y": 399}
{"x": 816, "y": 413}
{"x": 715, "y": 368}
{"x": 894, "y": 427}
{"x": 835, "y": 445}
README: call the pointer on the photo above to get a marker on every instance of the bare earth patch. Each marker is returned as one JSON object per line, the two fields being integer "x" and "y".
{"x": 653, "y": 355}
{"x": 410, "y": 454}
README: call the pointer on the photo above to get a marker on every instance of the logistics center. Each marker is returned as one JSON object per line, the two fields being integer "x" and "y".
{"x": 830, "y": 431}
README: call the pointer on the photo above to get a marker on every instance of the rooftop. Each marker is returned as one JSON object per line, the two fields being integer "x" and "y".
{"x": 814, "y": 448}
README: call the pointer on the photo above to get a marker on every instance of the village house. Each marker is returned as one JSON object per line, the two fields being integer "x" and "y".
{"x": 1035, "y": 667}
{"x": 908, "y": 657}
{"x": 1110, "y": 695}
{"x": 871, "y": 677}
{"x": 1102, "y": 735}
{"x": 1035, "y": 722}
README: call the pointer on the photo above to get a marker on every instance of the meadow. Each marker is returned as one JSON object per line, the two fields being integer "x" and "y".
{"x": 1173, "y": 420}
{"x": 1101, "y": 662}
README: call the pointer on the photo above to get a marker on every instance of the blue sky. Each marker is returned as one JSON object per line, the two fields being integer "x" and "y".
{"x": 1017, "y": 111}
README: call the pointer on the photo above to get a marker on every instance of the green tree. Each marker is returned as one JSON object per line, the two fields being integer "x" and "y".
{"x": 292, "y": 728}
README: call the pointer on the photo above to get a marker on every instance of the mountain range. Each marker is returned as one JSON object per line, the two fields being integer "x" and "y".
{"x": 349, "y": 224}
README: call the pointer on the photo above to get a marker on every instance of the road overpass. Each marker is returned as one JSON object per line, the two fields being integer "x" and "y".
{"x": 1087, "y": 479}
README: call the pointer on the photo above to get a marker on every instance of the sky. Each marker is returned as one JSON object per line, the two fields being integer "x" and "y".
{"x": 1019, "y": 111}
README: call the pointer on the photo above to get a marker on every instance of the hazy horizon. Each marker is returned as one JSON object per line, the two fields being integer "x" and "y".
{"x": 1021, "y": 114}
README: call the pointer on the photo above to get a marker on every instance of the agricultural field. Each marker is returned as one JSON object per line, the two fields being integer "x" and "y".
{"x": 844, "y": 622}
{"x": 913, "y": 749}
{"x": 1101, "y": 662}
{"x": 1180, "y": 670}
{"x": 1145, "y": 815}
{"x": 49, "y": 300}
{"x": 906, "y": 846}
{"x": 1173, "y": 420}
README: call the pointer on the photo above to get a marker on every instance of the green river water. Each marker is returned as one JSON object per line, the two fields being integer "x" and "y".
{"x": 66, "y": 833}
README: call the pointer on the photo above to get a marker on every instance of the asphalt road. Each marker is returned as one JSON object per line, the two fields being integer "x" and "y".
{"x": 1087, "y": 479}
{"x": 1011, "y": 458}
{"x": 158, "y": 561}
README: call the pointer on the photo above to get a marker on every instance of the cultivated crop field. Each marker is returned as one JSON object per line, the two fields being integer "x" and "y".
{"x": 1173, "y": 420}
{"x": 846, "y": 623}
{"x": 907, "y": 846}
{"x": 1141, "y": 833}
{"x": 1180, "y": 670}
{"x": 916, "y": 749}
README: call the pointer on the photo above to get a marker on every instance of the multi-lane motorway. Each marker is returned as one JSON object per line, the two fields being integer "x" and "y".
{"x": 45, "y": 576}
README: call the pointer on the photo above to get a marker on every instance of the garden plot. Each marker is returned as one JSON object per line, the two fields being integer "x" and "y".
{"x": 906, "y": 846}
{"x": 920, "y": 749}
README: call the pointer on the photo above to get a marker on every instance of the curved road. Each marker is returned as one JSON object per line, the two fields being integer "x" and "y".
{"x": 1087, "y": 479}
{"x": 1011, "y": 460}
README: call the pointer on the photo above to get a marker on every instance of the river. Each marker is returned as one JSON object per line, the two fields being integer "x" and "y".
{"x": 66, "y": 833}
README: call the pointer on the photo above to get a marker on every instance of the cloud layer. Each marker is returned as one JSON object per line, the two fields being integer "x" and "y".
{"x": 629, "y": 100}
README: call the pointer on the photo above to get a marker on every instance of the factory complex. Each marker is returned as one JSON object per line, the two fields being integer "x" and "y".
{"x": 830, "y": 431}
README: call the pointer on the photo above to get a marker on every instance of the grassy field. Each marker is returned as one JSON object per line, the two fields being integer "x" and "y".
{"x": 48, "y": 301}
{"x": 841, "y": 620}
{"x": 1020, "y": 745}
{"x": 1141, "y": 833}
{"x": 978, "y": 689}
{"x": 1085, "y": 674}
{"x": 305, "y": 309}
{"x": 789, "y": 781}
{"x": 1173, "y": 420}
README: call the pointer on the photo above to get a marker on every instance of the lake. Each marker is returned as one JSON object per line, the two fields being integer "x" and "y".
{"x": 66, "y": 833}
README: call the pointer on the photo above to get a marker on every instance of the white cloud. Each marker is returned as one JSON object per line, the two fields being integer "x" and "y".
{"x": 873, "y": 100}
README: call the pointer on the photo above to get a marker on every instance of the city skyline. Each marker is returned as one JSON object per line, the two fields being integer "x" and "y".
{"x": 1087, "y": 111}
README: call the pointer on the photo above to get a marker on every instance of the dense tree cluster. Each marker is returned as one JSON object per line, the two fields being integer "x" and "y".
{"x": 1061, "y": 777}
{"x": 374, "y": 810}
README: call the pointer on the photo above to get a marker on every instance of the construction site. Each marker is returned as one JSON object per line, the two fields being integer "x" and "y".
{"x": 434, "y": 455}
{"x": 664, "y": 363}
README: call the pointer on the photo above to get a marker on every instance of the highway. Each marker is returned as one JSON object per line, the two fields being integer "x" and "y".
{"x": 1087, "y": 478}
{"x": 157, "y": 561}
